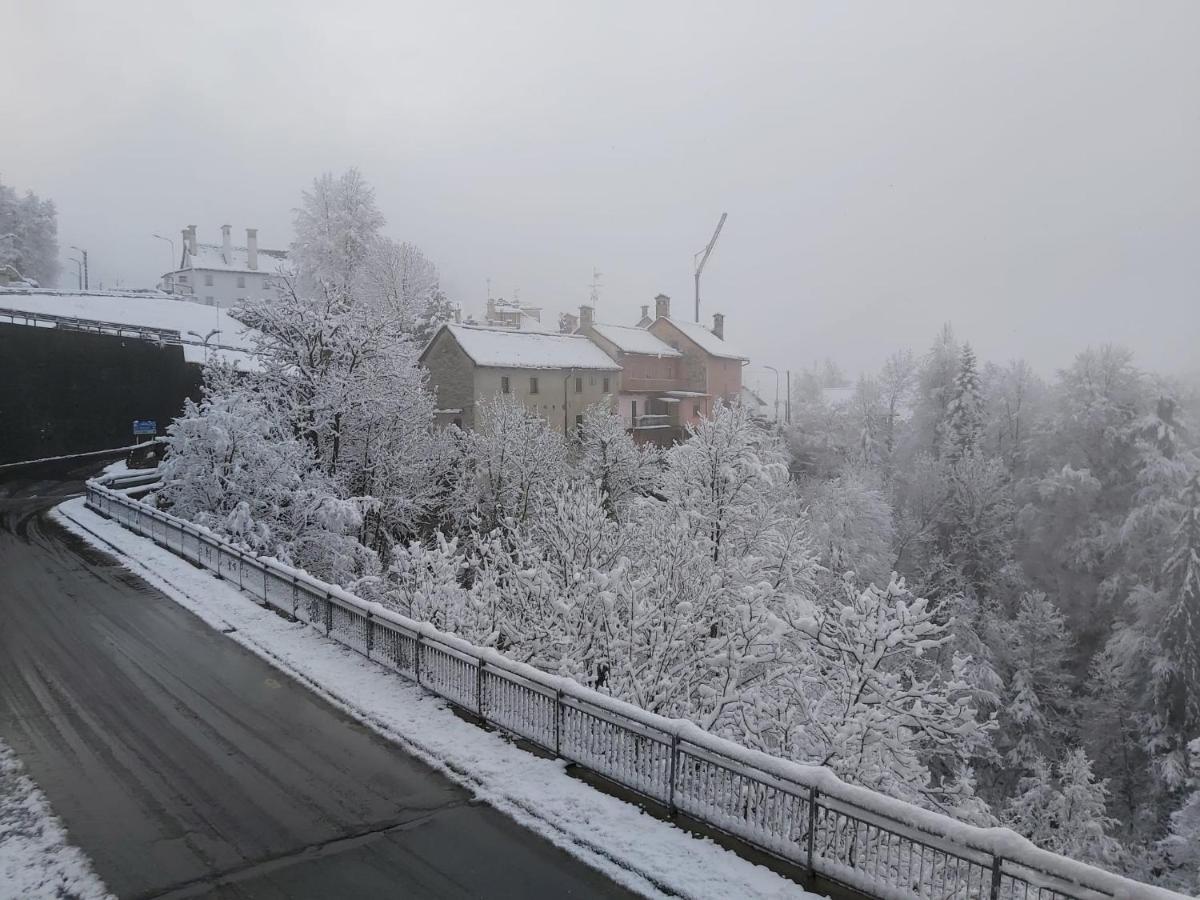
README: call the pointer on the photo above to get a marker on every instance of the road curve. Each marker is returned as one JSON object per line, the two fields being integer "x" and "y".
{"x": 184, "y": 765}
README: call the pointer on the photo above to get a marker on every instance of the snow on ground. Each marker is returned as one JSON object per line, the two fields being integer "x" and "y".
{"x": 35, "y": 859}
{"x": 643, "y": 853}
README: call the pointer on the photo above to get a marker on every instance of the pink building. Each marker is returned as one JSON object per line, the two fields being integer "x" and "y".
{"x": 672, "y": 372}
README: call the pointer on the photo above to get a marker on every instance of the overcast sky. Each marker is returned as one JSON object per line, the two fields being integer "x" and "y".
{"x": 1029, "y": 172}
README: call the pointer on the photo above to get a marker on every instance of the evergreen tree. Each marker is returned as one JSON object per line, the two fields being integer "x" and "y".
{"x": 962, "y": 428}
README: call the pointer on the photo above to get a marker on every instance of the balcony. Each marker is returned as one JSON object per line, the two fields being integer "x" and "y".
{"x": 652, "y": 421}
{"x": 650, "y": 384}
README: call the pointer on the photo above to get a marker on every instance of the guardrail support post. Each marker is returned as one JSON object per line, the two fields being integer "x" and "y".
{"x": 813, "y": 797}
{"x": 328, "y": 614}
{"x": 479, "y": 688}
{"x": 417, "y": 662}
{"x": 558, "y": 722}
{"x": 997, "y": 865}
{"x": 370, "y": 635}
{"x": 671, "y": 774}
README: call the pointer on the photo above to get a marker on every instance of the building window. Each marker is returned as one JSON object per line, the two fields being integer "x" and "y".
{"x": 533, "y": 387}
{"x": 579, "y": 423}
{"x": 208, "y": 300}
{"x": 606, "y": 385}
{"x": 504, "y": 384}
{"x": 633, "y": 411}
{"x": 183, "y": 279}
{"x": 696, "y": 409}
{"x": 208, "y": 279}
{"x": 578, "y": 385}
{"x": 241, "y": 281}
{"x": 458, "y": 423}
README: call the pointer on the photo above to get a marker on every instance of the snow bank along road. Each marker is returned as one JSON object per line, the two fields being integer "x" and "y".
{"x": 184, "y": 765}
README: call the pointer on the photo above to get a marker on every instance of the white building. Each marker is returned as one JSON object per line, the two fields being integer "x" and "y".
{"x": 222, "y": 274}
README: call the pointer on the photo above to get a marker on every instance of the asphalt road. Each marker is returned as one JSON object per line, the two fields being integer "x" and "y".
{"x": 184, "y": 765}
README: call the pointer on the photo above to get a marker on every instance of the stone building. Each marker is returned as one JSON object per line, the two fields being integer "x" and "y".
{"x": 557, "y": 376}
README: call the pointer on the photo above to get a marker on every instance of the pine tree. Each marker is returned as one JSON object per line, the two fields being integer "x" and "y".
{"x": 1182, "y": 845}
{"x": 1064, "y": 812}
{"x": 963, "y": 425}
{"x": 1179, "y": 690}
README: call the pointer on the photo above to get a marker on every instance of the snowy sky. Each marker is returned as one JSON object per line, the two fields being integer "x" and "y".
{"x": 1029, "y": 171}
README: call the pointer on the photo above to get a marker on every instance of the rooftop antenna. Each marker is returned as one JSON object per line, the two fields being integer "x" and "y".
{"x": 594, "y": 296}
{"x": 702, "y": 258}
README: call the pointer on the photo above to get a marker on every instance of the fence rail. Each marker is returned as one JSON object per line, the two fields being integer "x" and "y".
{"x": 800, "y": 814}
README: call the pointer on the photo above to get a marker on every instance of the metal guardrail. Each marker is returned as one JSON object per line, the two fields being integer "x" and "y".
{"x": 97, "y": 326}
{"x": 803, "y": 815}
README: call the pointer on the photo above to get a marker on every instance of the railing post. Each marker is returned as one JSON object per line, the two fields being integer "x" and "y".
{"x": 997, "y": 865}
{"x": 370, "y": 634}
{"x": 558, "y": 722}
{"x": 479, "y": 664}
{"x": 295, "y": 598}
{"x": 265, "y": 601}
{"x": 417, "y": 654}
{"x": 328, "y": 614}
{"x": 813, "y": 798}
{"x": 671, "y": 774}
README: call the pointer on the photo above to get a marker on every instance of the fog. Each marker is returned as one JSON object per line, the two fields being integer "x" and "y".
{"x": 1027, "y": 171}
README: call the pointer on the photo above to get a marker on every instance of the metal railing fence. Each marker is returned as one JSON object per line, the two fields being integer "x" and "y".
{"x": 803, "y": 815}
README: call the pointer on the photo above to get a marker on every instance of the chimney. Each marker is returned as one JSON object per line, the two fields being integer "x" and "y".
{"x": 719, "y": 325}
{"x": 662, "y": 307}
{"x": 568, "y": 323}
{"x": 189, "y": 240}
{"x": 226, "y": 244}
{"x": 645, "y": 311}
{"x": 252, "y": 249}
{"x": 586, "y": 316}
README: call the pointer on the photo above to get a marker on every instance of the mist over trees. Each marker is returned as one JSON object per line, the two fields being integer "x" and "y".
{"x": 966, "y": 586}
{"x": 1054, "y": 523}
{"x": 29, "y": 235}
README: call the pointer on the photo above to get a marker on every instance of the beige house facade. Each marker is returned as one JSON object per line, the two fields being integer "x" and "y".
{"x": 556, "y": 376}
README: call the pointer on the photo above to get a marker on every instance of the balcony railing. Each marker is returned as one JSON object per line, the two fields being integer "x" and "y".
{"x": 652, "y": 421}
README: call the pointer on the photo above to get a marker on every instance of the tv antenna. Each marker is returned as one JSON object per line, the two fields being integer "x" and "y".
{"x": 594, "y": 296}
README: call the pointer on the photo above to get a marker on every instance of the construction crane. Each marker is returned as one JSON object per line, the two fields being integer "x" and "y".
{"x": 703, "y": 258}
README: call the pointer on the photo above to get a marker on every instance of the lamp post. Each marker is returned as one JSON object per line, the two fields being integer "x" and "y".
{"x": 83, "y": 253}
{"x": 172, "y": 243}
{"x": 204, "y": 339}
{"x": 776, "y": 371}
{"x": 78, "y": 270}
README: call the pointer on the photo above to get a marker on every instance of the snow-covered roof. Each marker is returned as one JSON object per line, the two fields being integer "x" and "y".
{"x": 507, "y": 349}
{"x": 628, "y": 339}
{"x": 151, "y": 310}
{"x": 707, "y": 341}
{"x": 212, "y": 256}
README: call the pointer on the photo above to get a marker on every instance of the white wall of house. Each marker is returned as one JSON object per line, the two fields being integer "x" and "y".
{"x": 222, "y": 288}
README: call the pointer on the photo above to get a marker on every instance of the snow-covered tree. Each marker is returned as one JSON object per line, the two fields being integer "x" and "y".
{"x": 513, "y": 459}
{"x": 1064, "y": 811}
{"x": 29, "y": 236}
{"x": 962, "y": 428}
{"x": 858, "y": 693}
{"x": 851, "y": 524}
{"x": 336, "y": 232}
{"x": 1034, "y": 718}
{"x": 1182, "y": 844}
{"x": 610, "y": 459}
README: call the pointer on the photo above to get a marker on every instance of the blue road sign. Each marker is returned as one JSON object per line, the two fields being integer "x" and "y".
{"x": 145, "y": 426}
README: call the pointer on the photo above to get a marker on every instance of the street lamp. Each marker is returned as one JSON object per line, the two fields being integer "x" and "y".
{"x": 205, "y": 339}
{"x": 776, "y": 371}
{"x": 85, "y": 267}
{"x": 172, "y": 243}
